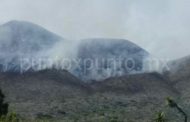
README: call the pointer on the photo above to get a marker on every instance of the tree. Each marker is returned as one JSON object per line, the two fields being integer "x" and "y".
{"x": 3, "y": 106}
{"x": 173, "y": 104}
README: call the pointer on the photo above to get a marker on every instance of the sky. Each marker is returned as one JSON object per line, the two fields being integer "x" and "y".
{"x": 162, "y": 27}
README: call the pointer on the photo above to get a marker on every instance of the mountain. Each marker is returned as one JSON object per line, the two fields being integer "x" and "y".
{"x": 23, "y": 45}
{"x": 179, "y": 76}
{"x": 59, "y": 95}
{"x": 101, "y": 58}
{"x": 20, "y": 40}
{"x": 118, "y": 89}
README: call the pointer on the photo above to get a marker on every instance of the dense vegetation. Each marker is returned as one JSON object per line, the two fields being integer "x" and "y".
{"x": 114, "y": 111}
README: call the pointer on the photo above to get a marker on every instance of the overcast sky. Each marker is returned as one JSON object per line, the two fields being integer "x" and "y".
{"x": 160, "y": 26}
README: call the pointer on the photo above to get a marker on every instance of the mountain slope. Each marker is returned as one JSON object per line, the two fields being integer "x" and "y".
{"x": 24, "y": 44}
{"x": 179, "y": 69}
{"x": 32, "y": 93}
{"x": 102, "y": 58}
{"x": 179, "y": 75}
{"x": 20, "y": 40}
{"x": 118, "y": 93}
{"x": 58, "y": 94}
{"x": 139, "y": 96}
{"x": 152, "y": 84}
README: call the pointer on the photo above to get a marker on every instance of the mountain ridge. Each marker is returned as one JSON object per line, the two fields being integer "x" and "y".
{"x": 130, "y": 97}
{"x": 32, "y": 42}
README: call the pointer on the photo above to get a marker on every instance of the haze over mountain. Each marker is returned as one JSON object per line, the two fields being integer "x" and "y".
{"x": 94, "y": 60}
{"x": 154, "y": 25}
{"x": 109, "y": 58}
{"x": 21, "y": 40}
{"x": 26, "y": 46}
{"x": 53, "y": 92}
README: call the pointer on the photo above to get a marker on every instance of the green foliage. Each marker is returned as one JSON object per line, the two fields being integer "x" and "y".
{"x": 160, "y": 117}
{"x": 11, "y": 117}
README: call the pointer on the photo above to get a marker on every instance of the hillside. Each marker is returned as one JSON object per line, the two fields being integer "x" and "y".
{"x": 58, "y": 94}
{"x": 179, "y": 75}
{"x": 149, "y": 84}
{"x": 179, "y": 69}
{"x": 118, "y": 90}
{"x": 32, "y": 93}
{"x": 26, "y": 46}
{"x": 102, "y": 58}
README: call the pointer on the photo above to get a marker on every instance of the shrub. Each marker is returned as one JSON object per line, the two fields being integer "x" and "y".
{"x": 3, "y": 106}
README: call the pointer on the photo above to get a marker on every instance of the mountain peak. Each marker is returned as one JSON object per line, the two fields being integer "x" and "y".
{"x": 13, "y": 22}
{"x": 23, "y": 26}
{"x": 23, "y": 39}
{"x": 22, "y": 30}
{"x": 18, "y": 23}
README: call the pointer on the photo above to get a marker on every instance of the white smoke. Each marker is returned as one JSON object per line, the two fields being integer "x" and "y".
{"x": 160, "y": 27}
{"x": 154, "y": 25}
